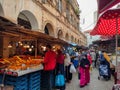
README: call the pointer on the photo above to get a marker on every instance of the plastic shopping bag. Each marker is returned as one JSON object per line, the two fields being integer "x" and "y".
{"x": 72, "y": 69}
{"x": 59, "y": 80}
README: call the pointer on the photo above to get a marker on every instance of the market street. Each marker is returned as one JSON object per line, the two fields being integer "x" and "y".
{"x": 95, "y": 84}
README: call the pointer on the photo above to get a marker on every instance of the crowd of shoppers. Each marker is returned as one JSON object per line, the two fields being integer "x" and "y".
{"x": 61, "y": 62}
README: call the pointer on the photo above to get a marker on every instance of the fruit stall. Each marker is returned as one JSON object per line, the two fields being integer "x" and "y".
{"x": 20, "y": 64}
{"x": 21, "y": 73}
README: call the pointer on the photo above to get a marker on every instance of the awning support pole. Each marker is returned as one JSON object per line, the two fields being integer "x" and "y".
{"x": 116, "y": 40}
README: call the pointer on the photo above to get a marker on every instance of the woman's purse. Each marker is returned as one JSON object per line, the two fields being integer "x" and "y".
{"x": 59, "y": 80}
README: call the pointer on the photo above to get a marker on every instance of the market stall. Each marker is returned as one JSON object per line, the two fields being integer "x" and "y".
{"x": 22, "y": 69}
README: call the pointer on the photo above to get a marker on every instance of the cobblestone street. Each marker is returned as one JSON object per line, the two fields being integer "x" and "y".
{"x": 94, "y": 84}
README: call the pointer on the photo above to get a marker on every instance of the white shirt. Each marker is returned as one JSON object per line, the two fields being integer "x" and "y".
{"x": 67, "y": 60}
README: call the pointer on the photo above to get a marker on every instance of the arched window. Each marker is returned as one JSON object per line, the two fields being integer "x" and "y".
{"x": 24, "y": 21}
{"x": 67, "y": 37}
{"x": 46, "y": 30}
{"x": 27, "y": 19}
{"x": 60, "y": 34}
{"x": 49, "y": 29}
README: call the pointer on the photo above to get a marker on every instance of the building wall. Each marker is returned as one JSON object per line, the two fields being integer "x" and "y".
{"x": 45, "y": 12}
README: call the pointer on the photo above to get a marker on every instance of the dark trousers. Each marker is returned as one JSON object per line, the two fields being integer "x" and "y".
{"x": 60, "y": 68}
{"x": 46, "y": 80}
{"x": 68, "y": 75}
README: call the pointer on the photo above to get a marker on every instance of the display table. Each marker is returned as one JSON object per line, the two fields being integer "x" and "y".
{"x": 23, "y": 80}
{"x": 22, "y": 72}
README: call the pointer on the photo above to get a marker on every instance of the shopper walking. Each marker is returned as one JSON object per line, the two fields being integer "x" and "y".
{"x": 93, "y": 55}
{"x": 105, "y": 60}
{"x": 96, "y": 59}
{"x": 84, "y": 65}
{"x": 67, "y": 62}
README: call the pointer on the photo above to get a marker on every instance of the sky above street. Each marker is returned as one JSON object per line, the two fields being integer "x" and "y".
{"x": 87, "y": 7}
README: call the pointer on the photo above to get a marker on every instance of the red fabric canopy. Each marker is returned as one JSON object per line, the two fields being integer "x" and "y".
{"x": 106, "y": 4}
{"x": 107, "y": 23}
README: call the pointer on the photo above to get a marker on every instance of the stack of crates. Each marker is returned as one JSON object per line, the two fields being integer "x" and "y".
{"x": 34, "y": 81}
{"x": 19, "y": 83}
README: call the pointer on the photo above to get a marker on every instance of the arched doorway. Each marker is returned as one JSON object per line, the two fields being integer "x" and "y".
{"x": 49, "y": 29}
{"x": 27, "y": 19}
{"x": 60, "y": 34}
{"x": 67, "y": 37}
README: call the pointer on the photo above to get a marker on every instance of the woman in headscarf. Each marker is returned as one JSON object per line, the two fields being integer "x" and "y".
{"x": 84, "y": 64}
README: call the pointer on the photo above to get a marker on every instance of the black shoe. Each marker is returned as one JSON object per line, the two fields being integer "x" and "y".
{"x": 81, "y": 86}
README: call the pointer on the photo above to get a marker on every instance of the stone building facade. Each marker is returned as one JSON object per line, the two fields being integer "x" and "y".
{"x": 57, "y": 18}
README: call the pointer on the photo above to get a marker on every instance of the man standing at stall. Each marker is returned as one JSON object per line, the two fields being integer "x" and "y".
{"x": 49, "y": 65}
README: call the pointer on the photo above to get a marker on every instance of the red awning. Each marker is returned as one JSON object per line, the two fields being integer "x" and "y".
{"x": 106, "y": 4}
{"x": 108, "y": 23}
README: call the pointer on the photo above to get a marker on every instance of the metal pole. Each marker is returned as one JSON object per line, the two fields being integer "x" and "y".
{"x": 35, "y": 48}
{"x": 116, "y": 39}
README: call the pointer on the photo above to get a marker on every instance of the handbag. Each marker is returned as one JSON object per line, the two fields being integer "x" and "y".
{"x": 72, "y": 69}
{"x": 59, "y": 80}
